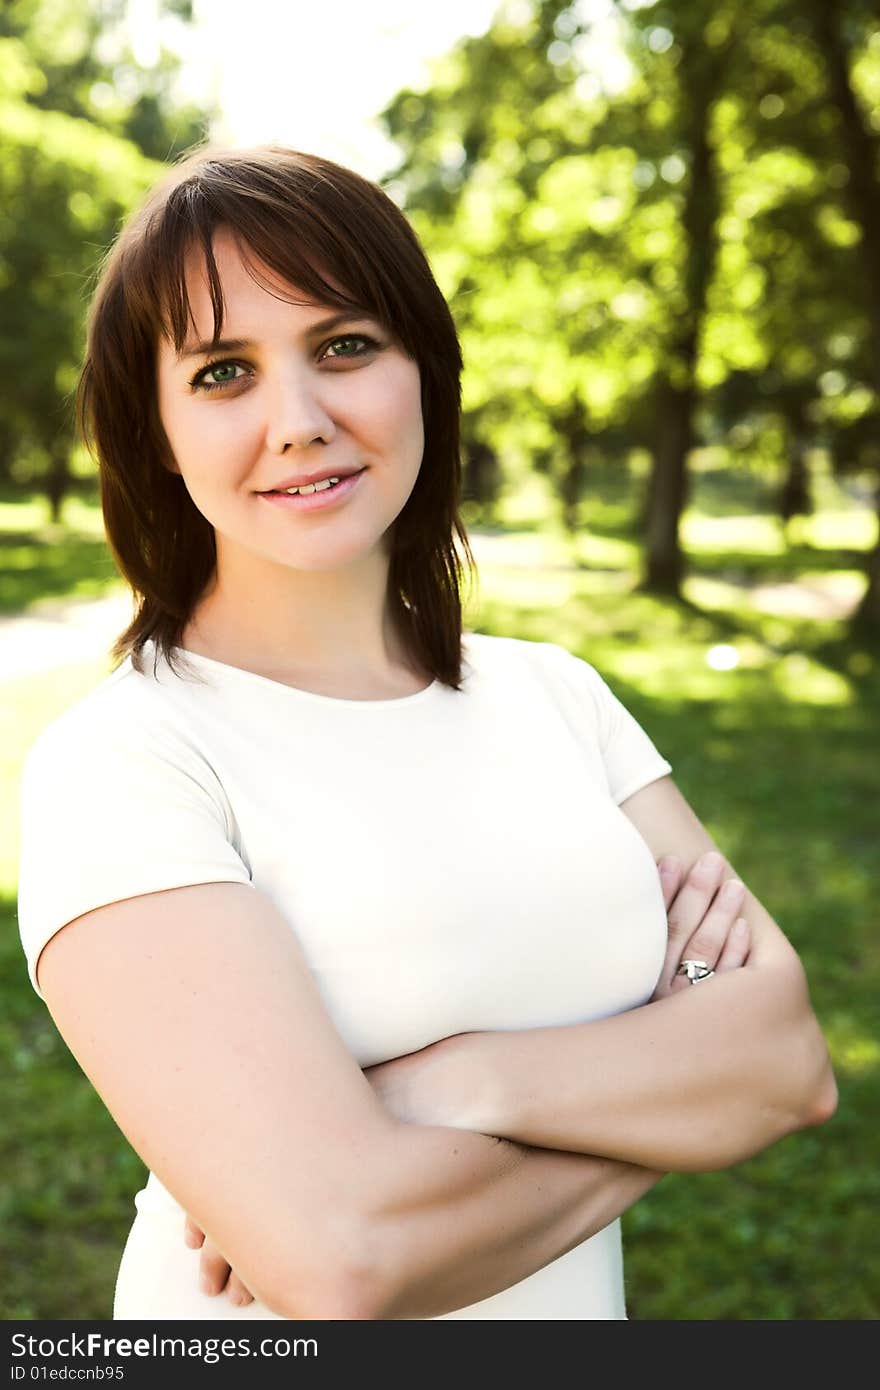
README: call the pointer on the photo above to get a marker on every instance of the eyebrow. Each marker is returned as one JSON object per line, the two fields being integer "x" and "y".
{"x": 238, "y": 344}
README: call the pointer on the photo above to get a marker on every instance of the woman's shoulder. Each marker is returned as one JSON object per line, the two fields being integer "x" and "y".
{"x": 491, "y": 644}
{"x": 491, "y": 649}
{"x": 124, "y": 713}
{"x": 567, "y": 680}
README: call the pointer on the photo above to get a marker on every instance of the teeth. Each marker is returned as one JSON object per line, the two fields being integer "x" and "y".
{"x": 311, "y": 487}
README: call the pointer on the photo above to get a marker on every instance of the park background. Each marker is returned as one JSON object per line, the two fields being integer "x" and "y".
{"x": 657, "y": 223}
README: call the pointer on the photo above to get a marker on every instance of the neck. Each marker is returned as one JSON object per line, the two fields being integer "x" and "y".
{"x": 329, "y": 631}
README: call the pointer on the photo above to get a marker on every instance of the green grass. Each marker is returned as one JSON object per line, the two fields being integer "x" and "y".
{"x": 778, "y": 757}
{"x": 39, "y": 560}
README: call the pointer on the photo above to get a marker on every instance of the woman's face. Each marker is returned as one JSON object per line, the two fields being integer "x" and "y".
{"x": 292, "y": 398}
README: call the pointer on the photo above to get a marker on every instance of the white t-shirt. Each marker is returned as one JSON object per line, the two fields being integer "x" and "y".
{"x": 450, "y": 861}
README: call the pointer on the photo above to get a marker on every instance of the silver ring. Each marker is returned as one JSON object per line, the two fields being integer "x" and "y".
{"x": 695, "y": 970}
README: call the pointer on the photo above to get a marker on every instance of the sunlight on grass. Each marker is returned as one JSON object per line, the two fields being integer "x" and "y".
{"x": 673, "y": 676}
{"x": 760, "y": 535}
{"x": 535, "y": 590}
{"x": 852, "y": 1052}
{"x": 812, "y": 595}
{"x": 606, "y": 552}
{"x": 856, "y": 530}
{"x": 805, "y": 682}
{"x": 33, "y": 515}
{"x": 30, "y": 515}
{"x": 531, "y": 503}
{"x": 84, "y": 517}
{"x": 763, "y": 535}
{"x": 521, "y": 549}
{"x": 680, "y": 673}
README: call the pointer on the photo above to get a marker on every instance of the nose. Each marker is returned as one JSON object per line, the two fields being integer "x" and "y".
{"x": 296, "y": 414}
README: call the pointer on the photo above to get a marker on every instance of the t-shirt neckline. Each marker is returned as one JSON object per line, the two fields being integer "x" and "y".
{"x": 296, "y": 692}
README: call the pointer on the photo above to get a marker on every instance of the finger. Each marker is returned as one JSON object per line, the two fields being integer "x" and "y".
{"x": 670, "y": 868}
{"x": 237, "y": 1293}
{"x": 689, "y": 906}
{"x": 214, "y": 1269}
{"x": 709, "y": 940}
{"x": 736, "y": 947}
{"x": 193, "y": 1234}
{"x": 696, "y": 893}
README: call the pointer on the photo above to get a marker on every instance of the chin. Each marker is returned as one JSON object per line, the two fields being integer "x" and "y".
{"x": 328, "y": 561}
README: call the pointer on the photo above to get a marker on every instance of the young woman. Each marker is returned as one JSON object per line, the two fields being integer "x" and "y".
{"x": 349, "y": 916}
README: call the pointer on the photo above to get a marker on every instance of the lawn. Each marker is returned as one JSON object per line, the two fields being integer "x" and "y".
{"x": 771, "y": 721}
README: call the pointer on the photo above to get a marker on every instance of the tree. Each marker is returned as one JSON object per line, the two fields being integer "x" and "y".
{"x": 82, "y": 130}
{"x": 838, "y": 28}
{"x": 86, "y": 69}
{"x": 65, "y": 187}
{"x": 665, "y": 261}
{"x": 699, "y": 55}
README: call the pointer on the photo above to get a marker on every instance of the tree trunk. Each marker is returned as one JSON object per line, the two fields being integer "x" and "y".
{"x": 572, "y": 489}
{"x": 866, "y": 618}
{"x": 572, "y": 434}
{"x": 481, "y": 473}
{"x": 668, "y": 487}
{"x": 701, "y": 77}
{"x": 794, "y": 496}
{"x": 57, "y": 481}
{"x": 861, "y": 150}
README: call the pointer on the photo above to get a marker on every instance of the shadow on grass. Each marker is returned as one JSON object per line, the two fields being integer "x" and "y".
{"x": 723, "y": 492}
{"x": 748, "y": 565}
{"x": 51, "y": 563}
{"x": 835, "y": 645}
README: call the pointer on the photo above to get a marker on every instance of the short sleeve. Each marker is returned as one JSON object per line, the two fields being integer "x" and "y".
{"x": 629, "y": 757}
{"x": 108, "y": 814}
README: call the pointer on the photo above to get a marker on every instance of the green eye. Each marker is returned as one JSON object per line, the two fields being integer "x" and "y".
{"x": 215, "y": 369}
{"x": 224, "y": 372}
{"x": 353, "y": 338}
{"x": 224, "y": 367}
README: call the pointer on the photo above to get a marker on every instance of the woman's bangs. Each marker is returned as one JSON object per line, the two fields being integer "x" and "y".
{"x": 272, "y": 244}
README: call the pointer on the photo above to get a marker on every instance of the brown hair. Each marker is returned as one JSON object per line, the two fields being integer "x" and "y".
{"x": 300, "y": 215}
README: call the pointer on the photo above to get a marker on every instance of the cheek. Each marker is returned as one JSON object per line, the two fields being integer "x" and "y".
{"x": 398, "y": 420}
{"x": 176, "y": 419}
{"x": 203, "y": 438}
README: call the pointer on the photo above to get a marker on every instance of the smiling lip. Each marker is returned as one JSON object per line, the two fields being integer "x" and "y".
{"x": 314, "y": 501}
{"x": 303, "y": 479}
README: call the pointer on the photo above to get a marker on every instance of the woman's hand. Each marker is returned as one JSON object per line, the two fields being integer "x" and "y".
{"x": 703, "y": 924}
{"x": 215, "y": 1273}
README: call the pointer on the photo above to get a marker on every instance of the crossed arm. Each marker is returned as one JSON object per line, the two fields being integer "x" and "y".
{"x": 428, "y": 1216}
{"x": 702, "y": 1079}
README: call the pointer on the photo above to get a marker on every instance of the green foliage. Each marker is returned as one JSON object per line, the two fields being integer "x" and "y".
{"x": 86, "y": 69}
{"x": 82, "y": 128}
{"x": 65, "y": 187}
{"x": 690, "y": 223}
